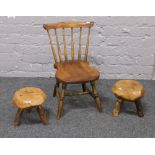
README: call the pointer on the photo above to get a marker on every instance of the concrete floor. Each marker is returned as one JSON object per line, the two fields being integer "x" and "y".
{"x": 81, "y": 118}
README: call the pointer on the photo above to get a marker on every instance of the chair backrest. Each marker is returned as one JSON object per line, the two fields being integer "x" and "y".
{"x": 71, "y": 26}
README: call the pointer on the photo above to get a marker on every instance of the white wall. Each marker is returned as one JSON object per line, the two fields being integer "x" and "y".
{"x": 120, "y": 47}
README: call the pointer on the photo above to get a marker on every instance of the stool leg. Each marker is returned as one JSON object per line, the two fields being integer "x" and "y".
{"x": 117, "y": 108}
{"x": 42, "y": 115}
{"x": 17, "y": 120}
{"x": 96, "y": 96}
{"x": 83, "y": 87}
{"x": 139, "y": 108}
{"x": 29, "y": 110}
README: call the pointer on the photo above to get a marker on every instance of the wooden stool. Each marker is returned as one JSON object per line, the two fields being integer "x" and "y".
{"x": 28, "y": 98}
{"x": 128, "y": 90}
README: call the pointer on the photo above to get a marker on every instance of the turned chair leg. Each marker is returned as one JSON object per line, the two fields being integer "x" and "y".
{"x": 96, "y": 96}
{"x": 42, "y": 115}
{"x": 55, "y": 89}
{"x": 83, "y": 87}
{"x": 17, "y": 120}
{"x": 117, "y": 108}
{"x": 139, "y": 108}
{"x": 60, "y": 96}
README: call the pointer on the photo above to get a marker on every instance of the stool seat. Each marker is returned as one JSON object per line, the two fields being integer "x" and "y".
{"x": 130, "y": 90}
{"x": 29, "y": 97}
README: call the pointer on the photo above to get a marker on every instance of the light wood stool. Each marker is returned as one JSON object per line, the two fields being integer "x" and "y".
{"x": 128, "y": 90}
{"x": 28, "y": 98}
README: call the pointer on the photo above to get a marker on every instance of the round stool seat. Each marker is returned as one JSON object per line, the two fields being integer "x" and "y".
{"x": 29, "y": 97}
{"x": 130, "y": 90}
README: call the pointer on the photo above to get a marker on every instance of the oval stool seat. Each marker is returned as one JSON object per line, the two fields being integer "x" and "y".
{"x": 28, "y": 98}
{"x": 128, "y": 90}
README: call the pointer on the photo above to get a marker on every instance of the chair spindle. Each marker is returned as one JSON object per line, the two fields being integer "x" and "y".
{"x": 64, "y": 41}
{"x": 79, "y": 51}
{"x": 87, "y": 45}
{"x": 72, "y": 44}
{"x": 52, "y": 47}
{"x": 58, "y": 46}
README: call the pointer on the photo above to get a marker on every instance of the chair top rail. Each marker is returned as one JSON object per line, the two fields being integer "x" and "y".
{"x": 68, "y": 25}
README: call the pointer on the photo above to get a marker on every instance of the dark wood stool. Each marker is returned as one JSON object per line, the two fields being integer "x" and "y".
{"x": 27, "y": 98}
{"x": 128, "y": 90}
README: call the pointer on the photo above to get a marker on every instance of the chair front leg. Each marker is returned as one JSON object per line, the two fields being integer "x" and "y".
{"x": 60, "y": 96}
{"x": 96, "y": 96}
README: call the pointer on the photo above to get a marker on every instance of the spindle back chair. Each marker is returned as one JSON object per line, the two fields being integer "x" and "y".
{"x": 74, "y": 70}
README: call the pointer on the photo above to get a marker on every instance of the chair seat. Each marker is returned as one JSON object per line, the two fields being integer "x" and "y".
{"x": 128, "y": 89}
{"x": 76, "y": 72}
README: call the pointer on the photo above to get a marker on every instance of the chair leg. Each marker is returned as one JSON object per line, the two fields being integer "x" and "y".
{"x": 54, "y": 91}
{"x": 60, "y": 96}
{"x": 55, "y": 88}
{"x": 139, "y": 108}
{"x": 17, "y": 120}
{"x": 42, "y": 115}
{"x": 96, "y": 96}
{"x": 83, "y": 87}
{"x": 117, "y": 108}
